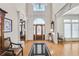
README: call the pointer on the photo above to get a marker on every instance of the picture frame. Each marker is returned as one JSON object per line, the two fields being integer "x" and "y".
{"x": 7, "y": 25}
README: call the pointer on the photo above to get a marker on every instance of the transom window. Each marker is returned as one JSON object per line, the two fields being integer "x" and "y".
{"x": 38, "y": 7}
{"x": 39, "y": 21}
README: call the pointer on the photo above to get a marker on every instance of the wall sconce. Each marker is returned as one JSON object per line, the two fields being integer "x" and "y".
{"x": 52, "y": 25}
{"x": 51, "y": 30}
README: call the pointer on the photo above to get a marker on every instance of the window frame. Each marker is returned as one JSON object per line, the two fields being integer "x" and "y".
{"x": 71, "y": 28}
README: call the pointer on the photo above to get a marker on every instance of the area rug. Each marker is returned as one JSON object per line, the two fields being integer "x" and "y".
{"x": 39, "y": 49}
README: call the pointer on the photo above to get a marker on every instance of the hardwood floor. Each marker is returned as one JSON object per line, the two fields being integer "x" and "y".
{"x": 61, "y": 49}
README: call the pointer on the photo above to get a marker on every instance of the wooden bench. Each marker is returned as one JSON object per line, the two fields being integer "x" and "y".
{"x": 10, "y": 49}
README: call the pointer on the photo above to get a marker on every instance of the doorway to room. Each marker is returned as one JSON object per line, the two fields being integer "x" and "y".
{"x": 22, "y": 30}
{"x": 39, "y": 29}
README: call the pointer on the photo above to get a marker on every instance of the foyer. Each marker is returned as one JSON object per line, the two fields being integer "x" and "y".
{"x": 39, "y": 29}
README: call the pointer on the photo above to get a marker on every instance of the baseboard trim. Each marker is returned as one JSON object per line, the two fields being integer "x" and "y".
{"x": 71, "y": 40}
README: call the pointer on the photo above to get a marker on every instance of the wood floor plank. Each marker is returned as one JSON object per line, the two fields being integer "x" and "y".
{"x": 61, "y": 49}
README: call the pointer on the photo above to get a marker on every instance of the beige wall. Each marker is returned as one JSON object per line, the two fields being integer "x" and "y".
{"x": 22, "y": 8}
{"x": 10, "y": 8}
{"x": 46, "y": 15}
{"x": 12, "y": 14}
{"x": 27, "y": 14}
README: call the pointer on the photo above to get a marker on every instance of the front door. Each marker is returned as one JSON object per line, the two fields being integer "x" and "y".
{"x": 39, "y": 32}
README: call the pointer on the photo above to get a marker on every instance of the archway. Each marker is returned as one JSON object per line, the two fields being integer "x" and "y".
{"x": 39, "y": 29}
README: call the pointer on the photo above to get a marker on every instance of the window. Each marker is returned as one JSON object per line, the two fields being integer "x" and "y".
{"x": 38, "y": 7}
{"x": 71, "y": 28}
{"x": 75, "y": 21}
{"x": 67, "y": 20}
{"x": 39, "y": 21}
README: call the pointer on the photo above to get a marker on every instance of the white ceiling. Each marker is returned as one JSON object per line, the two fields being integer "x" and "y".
{"x": 73, "y": 11}
{"x": 57, "y": 7}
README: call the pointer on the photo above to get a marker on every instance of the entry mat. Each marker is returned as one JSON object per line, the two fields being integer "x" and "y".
{"x": 39, "y": 49}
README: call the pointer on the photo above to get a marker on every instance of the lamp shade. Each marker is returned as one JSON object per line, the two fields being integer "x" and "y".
{"x": 51, "y": 30}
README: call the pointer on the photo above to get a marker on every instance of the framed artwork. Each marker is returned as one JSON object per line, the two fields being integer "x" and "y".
{"x": 7, "y": 25}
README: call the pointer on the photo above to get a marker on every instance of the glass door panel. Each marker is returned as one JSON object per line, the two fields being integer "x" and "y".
{"x": 38, "y": 30}
{"x": 67, "y": 30}
{"x": 75, "y": 31}
{"x": 34, "y": 30}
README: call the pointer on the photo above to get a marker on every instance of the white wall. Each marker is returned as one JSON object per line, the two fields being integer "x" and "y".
{"x": 21, "y": 7}
{"x": 12, "y": 14}
{"x": 57, "y": 7}
{"x": 27, "y": 14}
{"x": 46, "y": 15}
{"x": 57, "y": 21}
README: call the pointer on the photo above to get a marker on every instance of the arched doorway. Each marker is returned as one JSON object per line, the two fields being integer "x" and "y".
{"x": 39, "y": 29}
